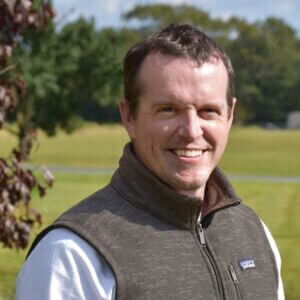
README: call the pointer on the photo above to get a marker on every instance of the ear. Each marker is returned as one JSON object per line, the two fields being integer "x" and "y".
{"x": 127, "y": 118}
{"x": 232, "y": 110}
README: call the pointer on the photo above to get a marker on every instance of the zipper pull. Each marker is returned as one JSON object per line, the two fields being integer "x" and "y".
{"x": 201, "y": 234}
{"x": 233, "y": 274}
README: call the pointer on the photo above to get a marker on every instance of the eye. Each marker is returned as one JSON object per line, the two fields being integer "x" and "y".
{"x": 166, "y": 109}
{"x": 209, "y": 112}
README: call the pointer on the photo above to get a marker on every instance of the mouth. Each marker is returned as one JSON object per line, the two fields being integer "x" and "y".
{"x": 188, "y": 153}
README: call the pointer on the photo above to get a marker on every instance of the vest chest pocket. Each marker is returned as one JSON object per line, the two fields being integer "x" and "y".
{"x": 251, "y": 282}
{"x": 236, "y": 283}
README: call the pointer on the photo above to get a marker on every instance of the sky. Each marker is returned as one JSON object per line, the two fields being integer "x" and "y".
{"x": 108, "y": 12}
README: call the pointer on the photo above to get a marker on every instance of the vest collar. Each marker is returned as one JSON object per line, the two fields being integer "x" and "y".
{"x": 138, "y": 185}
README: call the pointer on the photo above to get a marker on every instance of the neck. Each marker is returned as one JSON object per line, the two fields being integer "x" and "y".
{"x": 141, "y": 187}
{"x": 197, "y": 193}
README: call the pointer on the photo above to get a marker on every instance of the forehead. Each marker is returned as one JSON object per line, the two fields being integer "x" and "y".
{"x": 182, "y": 77}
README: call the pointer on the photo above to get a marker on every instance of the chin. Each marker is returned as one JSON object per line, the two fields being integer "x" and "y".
{"x": 190, "y": 186}
{"x": 194, "y": 178}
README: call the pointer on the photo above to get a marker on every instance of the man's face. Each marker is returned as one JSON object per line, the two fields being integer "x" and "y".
{"x": 181, "y": 127}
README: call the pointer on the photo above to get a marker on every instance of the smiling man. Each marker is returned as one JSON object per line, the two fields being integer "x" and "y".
{"x": 183, "y": 120}
{"x": 169, "y": 224}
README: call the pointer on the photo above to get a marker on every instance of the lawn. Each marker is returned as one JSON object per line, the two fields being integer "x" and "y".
{"x": 92, "y": 146}
{"x": 263, "y": 152}
{"x": 251, "y": 151}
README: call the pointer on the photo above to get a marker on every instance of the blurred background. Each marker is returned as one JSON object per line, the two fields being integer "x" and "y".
{"x": 73, "y": 75}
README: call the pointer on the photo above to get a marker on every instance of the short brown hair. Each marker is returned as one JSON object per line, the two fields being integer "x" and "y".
{"x": 184, "y": 41}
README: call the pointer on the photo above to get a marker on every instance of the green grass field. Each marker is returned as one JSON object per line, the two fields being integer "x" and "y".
{"x": 250, "y": 151}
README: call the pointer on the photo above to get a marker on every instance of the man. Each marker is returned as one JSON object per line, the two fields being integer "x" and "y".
{"x": 169, "y": 225}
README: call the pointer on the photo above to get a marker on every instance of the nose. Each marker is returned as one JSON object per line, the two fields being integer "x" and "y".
{"x": 190, "y": 127}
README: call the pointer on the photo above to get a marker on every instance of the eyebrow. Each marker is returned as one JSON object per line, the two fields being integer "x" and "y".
{"x": 174, "y": 101}
{"x": 166, "y": 102}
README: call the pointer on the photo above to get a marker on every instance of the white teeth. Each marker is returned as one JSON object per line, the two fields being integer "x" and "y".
{"x": 188, "y": 153}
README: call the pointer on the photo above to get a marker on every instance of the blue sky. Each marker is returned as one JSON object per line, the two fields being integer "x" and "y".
{"x": 107, "y": 12}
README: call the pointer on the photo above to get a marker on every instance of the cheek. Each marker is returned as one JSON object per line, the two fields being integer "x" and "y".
{"x": 223, "y": 138}
{"x": 159, "y": 130}
{"x": 217, "y": 133}
{"x": 169, "y": 128}
{"x": 149, "y": 134}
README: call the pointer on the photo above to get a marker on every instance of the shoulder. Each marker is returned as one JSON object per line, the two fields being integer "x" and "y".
{"x": 246, "y": 216}
{"x": 61, "y": 242}
{"x": 62, "y": 245}
{"x": 63, "y": 262}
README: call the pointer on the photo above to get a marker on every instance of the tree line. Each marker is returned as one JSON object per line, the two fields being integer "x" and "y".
{"x": 75, "y": 73}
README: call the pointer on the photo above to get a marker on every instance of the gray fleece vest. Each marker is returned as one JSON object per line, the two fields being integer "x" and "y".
{"x": 157, "y": 249}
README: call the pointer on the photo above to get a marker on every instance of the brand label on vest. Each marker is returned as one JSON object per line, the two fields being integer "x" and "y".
{"x": 247, "y": 264}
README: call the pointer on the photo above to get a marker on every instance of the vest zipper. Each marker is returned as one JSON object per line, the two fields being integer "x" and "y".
{"x": 201, "y": 237}
{"x": 236, "y": 282}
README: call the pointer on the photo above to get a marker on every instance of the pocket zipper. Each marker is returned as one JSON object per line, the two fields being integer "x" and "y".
{"x": 236, "y": 282}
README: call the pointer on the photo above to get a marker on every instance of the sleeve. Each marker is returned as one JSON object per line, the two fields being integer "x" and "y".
{"x": 64, "y": 266}
{"x": 278, "y": 260}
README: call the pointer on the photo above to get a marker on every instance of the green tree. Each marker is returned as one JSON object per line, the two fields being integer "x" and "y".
{"x": 159, "y": 15}
{"x": 266, "y": 58}
{"x": 69, "y": 73}
{"x": 89, "y": 69}
{"x": 35, "y": 60}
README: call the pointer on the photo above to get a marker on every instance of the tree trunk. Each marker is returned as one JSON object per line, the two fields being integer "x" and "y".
{"x": 26, "y": 136}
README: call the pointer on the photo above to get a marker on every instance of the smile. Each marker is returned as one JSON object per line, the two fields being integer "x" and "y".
{"x": 188, "y": 153}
